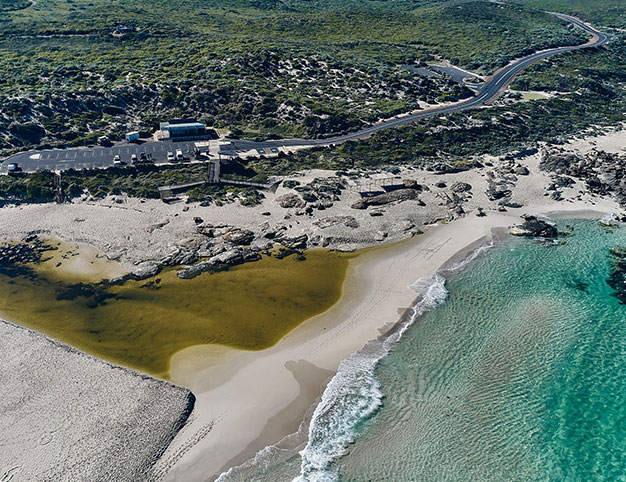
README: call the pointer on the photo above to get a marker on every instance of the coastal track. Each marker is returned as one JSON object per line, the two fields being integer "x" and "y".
{"x": 100, "y": 157}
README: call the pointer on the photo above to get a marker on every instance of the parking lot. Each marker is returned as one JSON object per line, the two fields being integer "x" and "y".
{"x": 95, "y": 157}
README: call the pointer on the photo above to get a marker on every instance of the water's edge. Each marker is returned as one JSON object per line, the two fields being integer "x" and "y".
{"x": 356, "y": 384}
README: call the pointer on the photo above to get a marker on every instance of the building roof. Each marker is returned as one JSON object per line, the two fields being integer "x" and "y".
{"x": 182, "y": 124}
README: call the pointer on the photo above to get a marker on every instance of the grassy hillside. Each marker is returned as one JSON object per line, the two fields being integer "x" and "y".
{"x": 607, "y": 13}
{"x": 264, "y": 67}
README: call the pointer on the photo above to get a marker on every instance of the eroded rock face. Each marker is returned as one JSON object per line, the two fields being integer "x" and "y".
{"x": 399, "y": 195}
{"x": 288, "y": 201}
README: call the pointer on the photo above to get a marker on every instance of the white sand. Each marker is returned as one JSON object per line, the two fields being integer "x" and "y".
{"x": 247, "y": 400}
{"x": 66, "y": 416}
{"x": 253, "y": 397}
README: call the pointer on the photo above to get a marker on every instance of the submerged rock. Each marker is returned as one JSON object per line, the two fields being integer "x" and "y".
{"x": 617, "y": 279}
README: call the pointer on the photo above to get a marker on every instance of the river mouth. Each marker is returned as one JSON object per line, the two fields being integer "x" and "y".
{"x": 142, "y": 324}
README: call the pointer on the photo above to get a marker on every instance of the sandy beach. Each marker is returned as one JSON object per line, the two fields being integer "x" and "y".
{"x": 67, "y": 416}
{"x": 245, "y": 393}
{"x": 247, "y": 400}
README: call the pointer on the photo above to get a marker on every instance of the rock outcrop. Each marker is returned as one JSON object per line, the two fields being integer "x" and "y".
{"x": 536, "y": 228}
{"x": 399, "y": 195}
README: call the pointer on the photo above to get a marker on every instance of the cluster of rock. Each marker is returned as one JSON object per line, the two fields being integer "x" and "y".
{"x": 14, "y": 255}
{"x": 320, "y": 194}
{"x": 603, "y": 173}
{"x": 460, "y": 193}
{"x": 535, "y": 228}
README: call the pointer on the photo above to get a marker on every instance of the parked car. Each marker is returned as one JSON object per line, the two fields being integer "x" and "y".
{"x": 13, "y": 167}
{"x": 133, "y": 158}
{"x": 179, "y": 155}
{"x": 117, "y": 161}
{"x": 170, "y": 156}
{"x": 143, "y": 157}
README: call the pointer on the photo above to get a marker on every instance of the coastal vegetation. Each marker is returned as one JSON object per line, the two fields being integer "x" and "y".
{"x": 141, "y": 324}
{"x": 262, "y": 69}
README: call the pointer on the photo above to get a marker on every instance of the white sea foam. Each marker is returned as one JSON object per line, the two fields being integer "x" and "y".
{"x": 353, "y": 395}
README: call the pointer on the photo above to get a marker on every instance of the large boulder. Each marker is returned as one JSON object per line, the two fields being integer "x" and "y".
{"x": 296, "y": 242}
{"x": 288, "y": 201}
{"x": 239, "y": 236}
{"x": 533, "y": 227}
{"x": 495, "y": 192}
{"x": 461, "y": 187}
{"x": 146, "y": 270}
{"x": 398, "y": 195}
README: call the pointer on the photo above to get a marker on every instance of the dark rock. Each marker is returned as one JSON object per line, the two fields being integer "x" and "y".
{"x": 198, "y": 220}
{"x": 459, "y": 187}
{"x": 533, "y": 227}
{"x": 495, "y": 192}
{"x": 399, "y": 195}
{"x": 521, "y": 171}
{"x": 413, "y": 184}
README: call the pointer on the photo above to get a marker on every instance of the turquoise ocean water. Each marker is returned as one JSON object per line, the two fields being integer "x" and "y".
{"x": 519, "y": 375}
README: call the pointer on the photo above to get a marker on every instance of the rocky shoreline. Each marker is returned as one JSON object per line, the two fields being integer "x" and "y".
{"x": 325, "y": 209}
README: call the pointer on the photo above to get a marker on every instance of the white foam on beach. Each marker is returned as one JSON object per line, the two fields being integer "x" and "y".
{"x": 353, "y": 395}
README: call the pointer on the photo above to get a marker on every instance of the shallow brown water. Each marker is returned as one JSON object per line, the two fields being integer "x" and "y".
{"x": 142, "y": 324}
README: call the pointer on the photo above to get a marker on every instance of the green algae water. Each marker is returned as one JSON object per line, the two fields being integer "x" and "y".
{"x": 142, "y": 324}
{"x": 517, "y": 373}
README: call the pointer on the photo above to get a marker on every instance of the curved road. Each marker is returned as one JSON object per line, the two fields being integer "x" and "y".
{"x": 98, "y": 157}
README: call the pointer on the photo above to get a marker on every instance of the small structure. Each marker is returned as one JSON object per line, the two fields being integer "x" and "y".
{"x": 168, "y": 193}
{"x": 183, "y": 130}
{"x": 132, "y": 136}
{"x": 123, "y": 30}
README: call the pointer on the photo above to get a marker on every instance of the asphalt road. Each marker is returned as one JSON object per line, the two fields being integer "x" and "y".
{"x": 99, "y": 157}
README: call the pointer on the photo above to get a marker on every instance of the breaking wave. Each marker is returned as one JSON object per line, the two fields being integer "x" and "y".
{"x": 351, "y": 397}
{"x": 354, "y": 394}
